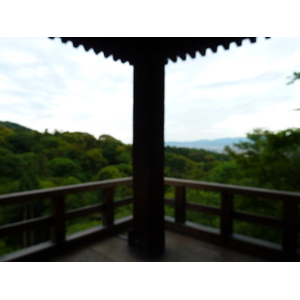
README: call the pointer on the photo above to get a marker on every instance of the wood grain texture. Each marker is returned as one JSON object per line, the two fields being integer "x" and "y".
{"x": 180, "y": 201}
{"x": 289, "y": 226}
{"x": 45, "y": 251}
{"x": 63, "y": 190}
{"x": 179, "y": 248}
{"x": 233, "y": 189}
{"x": 148, "y": 154}
{"x": 226, "y": 224}
{"x": 59, "y": 224}
{"x": 108, "y": 211}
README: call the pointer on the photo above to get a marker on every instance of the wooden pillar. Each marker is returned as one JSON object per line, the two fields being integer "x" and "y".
{"x": 108, "y": 215}
{"x": 59, "y": 228}
{"x": 148, "y": 154}
{"x": 179, "y": 204}
{"x": 226, "y": 225}
{"x": 289, "y": 239}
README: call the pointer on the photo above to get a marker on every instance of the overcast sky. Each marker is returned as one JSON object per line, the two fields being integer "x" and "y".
{"x": 47, "y": 84}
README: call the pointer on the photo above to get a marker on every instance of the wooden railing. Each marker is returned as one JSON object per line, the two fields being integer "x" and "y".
{"x": 224, "y": 236}
{"x": 288, "y": 223}
{"x": 59, "y": 241}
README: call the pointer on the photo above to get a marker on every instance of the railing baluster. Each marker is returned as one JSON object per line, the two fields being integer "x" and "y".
{"x": 59, "y": 212}
{"x": 289, "y": 226}
{"x": 179, "y": 204}
{"x": 108, "y": 213}
{"x": 226, "y": 215}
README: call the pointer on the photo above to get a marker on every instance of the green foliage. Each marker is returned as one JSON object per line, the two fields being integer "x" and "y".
{"x": 124, "y": 154}
{"x": 294, "y": 77}
{"x": 110, "y": 148}
{"x": 125, "y": 169}
{"x": 267, "y": 233}
{"x": 6, "y": 135}
{"x": 10, "y": 164}
{"x": 29, "y": 163}
{"x": 83, "y": 223}
{"x": 225, "y": 173}
{"x": 109, "y": 172}
{"x": 64, "y": 167}
{"x": 23, "y": 141}
{"x": 169, "y": 211}
{"x": 197, "y": 155}
{"x": 14, "y": 126}
{"x": 28, "y": 183}
{"x": 30, "y": 160}
{"x": 92, "y": 161}
{"x": 80, "y": 140}
{"x": 181, "y": 167}
{"x": 49, "y": 141}
{"x": 270, "y": 160}
{"x": 124, "y": 211}
{"x": 203, "y": 219}
{"x": 203, "y": 197}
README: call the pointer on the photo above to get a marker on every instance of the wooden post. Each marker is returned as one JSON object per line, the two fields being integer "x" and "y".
{"x": 148, "y": 154}
{"x": 289, "y": 232}
{"x": 25, "y": 218}
{"x": 108, "y": 214}
{"x": 58, "y": 211}
{"x": 226, "y": 215}
{"x": 179, "y": 204}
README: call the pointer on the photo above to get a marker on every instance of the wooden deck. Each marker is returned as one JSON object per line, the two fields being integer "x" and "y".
{"x": 179, "y": 248}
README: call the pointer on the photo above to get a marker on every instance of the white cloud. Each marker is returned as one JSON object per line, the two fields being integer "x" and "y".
{"x": 78, "y": 90}
{"x": 47, "y": 84}
{"x": 228, "y": 93}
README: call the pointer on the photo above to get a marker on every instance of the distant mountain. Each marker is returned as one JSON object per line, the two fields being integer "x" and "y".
{"x": 14, "y": 126}
{"x": 212, "y": 145}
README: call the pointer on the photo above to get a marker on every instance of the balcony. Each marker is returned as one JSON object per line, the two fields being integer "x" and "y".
{"x": 185, "y": 241}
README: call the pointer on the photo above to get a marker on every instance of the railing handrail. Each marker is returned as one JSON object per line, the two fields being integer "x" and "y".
{"x": 57, "y": 220}
{"x": 59, "y": 216}
{"x": 232, "y": 189}
{"x": 63, "y": 190}
{"x": 289, "y": 223}
{"x": 90, "y": 186}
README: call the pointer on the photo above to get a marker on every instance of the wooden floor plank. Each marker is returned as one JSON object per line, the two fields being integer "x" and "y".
{"x": 179, "y": 248}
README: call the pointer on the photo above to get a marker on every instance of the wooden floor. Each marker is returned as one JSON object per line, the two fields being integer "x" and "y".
{"x": 179, "y": 248}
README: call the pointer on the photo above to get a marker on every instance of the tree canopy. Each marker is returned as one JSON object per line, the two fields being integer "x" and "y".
{"x": 32, "y": 160}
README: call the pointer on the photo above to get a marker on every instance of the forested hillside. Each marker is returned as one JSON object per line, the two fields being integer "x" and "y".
{"x": 32, "y": 160}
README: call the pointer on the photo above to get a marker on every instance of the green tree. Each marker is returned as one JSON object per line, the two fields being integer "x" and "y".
{"x": 23, "y": 141}
{"x": 125, "y": 169}
{"x": 64, "y": 167}
{"x": 6, "y": 135}
{"x": 10, "y": 164}
{"x": 30, "y": 164}
{"x": 92, "y": 161}
{"x": 270, "y": 160}
{"x": 226, "y": 172}
{"x": 179, "y": 166}
{"x": 109, "y": 172}
{"x": 110, "y": 148}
